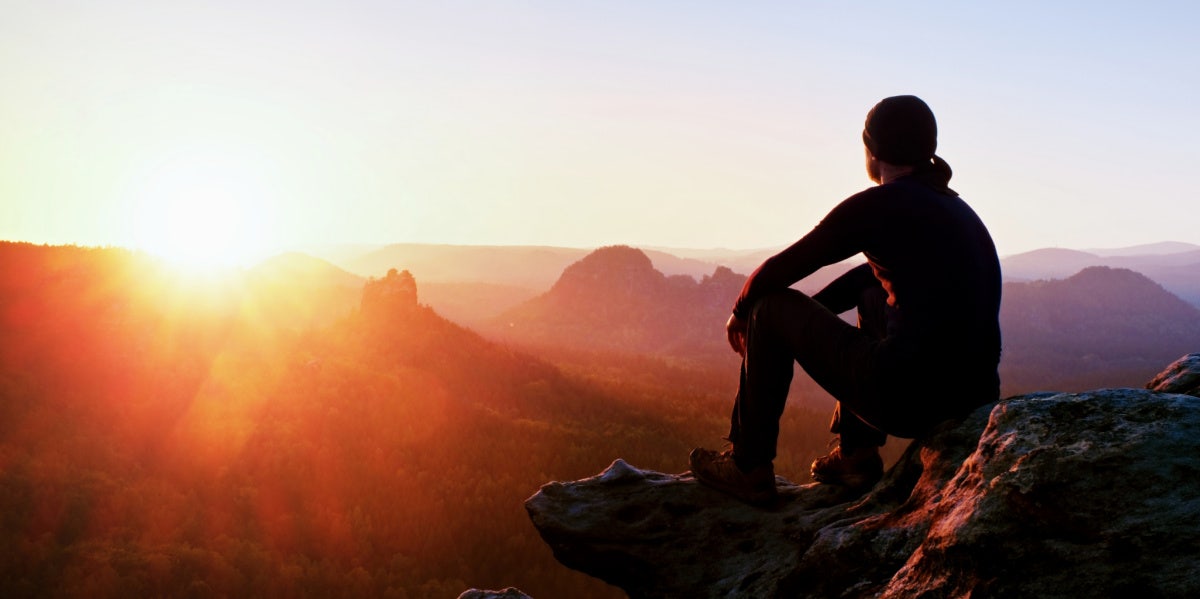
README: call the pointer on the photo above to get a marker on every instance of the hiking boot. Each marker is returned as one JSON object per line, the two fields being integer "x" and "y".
{"x": 856, "y": 468}
{"x": 719, "y": 471}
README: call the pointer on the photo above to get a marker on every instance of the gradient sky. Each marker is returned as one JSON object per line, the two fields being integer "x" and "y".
{"x": 255, "y": 126}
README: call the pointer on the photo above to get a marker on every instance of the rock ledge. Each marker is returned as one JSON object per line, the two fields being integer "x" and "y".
{"x": 1041, "y": 495}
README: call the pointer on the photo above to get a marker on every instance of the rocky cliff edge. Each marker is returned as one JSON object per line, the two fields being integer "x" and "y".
{"x": 1042, "y": 495}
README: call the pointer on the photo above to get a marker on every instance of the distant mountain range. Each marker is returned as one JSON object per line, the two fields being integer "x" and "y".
{"x": 1071, "y": 319}
{"x": 1174, "y": 265}
{"x": 240, "y": 435}
{"x": 461, "y": 279}
{"x": 1099, "y": 327}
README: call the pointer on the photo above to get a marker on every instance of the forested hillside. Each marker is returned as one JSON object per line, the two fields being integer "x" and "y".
{"x": 158, "y": 437}
{"x": 615, "y": 300}
{"x": 1100, "y": 327}
{"x": 295, "y": 430}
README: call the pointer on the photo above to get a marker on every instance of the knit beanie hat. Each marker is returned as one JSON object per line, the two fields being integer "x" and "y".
{"x": 901, "y": 130}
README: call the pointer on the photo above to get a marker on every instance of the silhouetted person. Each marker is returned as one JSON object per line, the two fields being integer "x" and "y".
{"x": 928, "y": 342}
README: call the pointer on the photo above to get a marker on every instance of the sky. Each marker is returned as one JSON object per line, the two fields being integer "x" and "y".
{"x": 234, "y": 130}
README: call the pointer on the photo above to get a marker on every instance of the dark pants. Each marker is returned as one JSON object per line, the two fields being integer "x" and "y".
{"x": 876, "y": 395}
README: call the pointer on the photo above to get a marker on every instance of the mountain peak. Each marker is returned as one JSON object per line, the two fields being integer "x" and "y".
{"x": 1108, "y": 273}
{"x": 618, "y": 254}
{"x": 617, "y": 267}
{"x": 1112, "y": 290}
{"x": 614, "y": 299}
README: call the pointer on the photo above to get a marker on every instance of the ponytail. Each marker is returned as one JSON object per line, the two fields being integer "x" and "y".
{"x": 936, "y": 173}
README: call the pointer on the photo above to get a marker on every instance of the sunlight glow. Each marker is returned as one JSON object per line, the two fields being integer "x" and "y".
{"x": 203, "y": 209}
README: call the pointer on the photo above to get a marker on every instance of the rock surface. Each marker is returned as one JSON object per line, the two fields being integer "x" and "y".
{"x": 509, "y": 593}
{"x": 1043, "y": 495}
{"x": 1182, "y": 376}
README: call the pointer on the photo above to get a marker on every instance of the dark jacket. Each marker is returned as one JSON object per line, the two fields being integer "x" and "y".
{"x": 934, "y": 257}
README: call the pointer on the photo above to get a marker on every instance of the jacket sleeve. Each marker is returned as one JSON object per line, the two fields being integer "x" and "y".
{"x": 840, "y": 235}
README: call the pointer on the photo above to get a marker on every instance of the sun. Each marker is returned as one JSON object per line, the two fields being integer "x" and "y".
{"x": 203, "y": 210}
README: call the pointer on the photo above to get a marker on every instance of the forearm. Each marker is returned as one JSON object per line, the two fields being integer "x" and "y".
{"x": 838, "y": 236}
{"x": 780, "y": 272}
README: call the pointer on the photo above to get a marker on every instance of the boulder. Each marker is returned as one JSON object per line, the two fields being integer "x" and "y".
{"x": 1182, "y": 376}
{"x": 1041, "y": 495}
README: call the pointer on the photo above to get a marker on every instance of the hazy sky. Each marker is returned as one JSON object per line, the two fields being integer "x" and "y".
{"x": 253, "y": 126}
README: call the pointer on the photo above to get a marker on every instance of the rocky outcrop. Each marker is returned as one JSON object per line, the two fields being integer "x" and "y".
{"x": 1044, "y": 495}
{"x": 397, "y": 292}
{"x": 1182, "y": 376}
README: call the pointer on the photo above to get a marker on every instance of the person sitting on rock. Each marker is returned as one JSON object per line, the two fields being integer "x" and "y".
{"x": 928, "y": 298}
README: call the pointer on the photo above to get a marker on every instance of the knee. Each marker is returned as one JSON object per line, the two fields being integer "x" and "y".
{"x": 774, "y": 306}
{"x": 764, "y": 314}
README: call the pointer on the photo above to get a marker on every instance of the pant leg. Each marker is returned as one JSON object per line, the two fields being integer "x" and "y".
{"x": 882, "y": 391}
{"x": 785, "y": 328}
{"x": 854, "y": 433}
